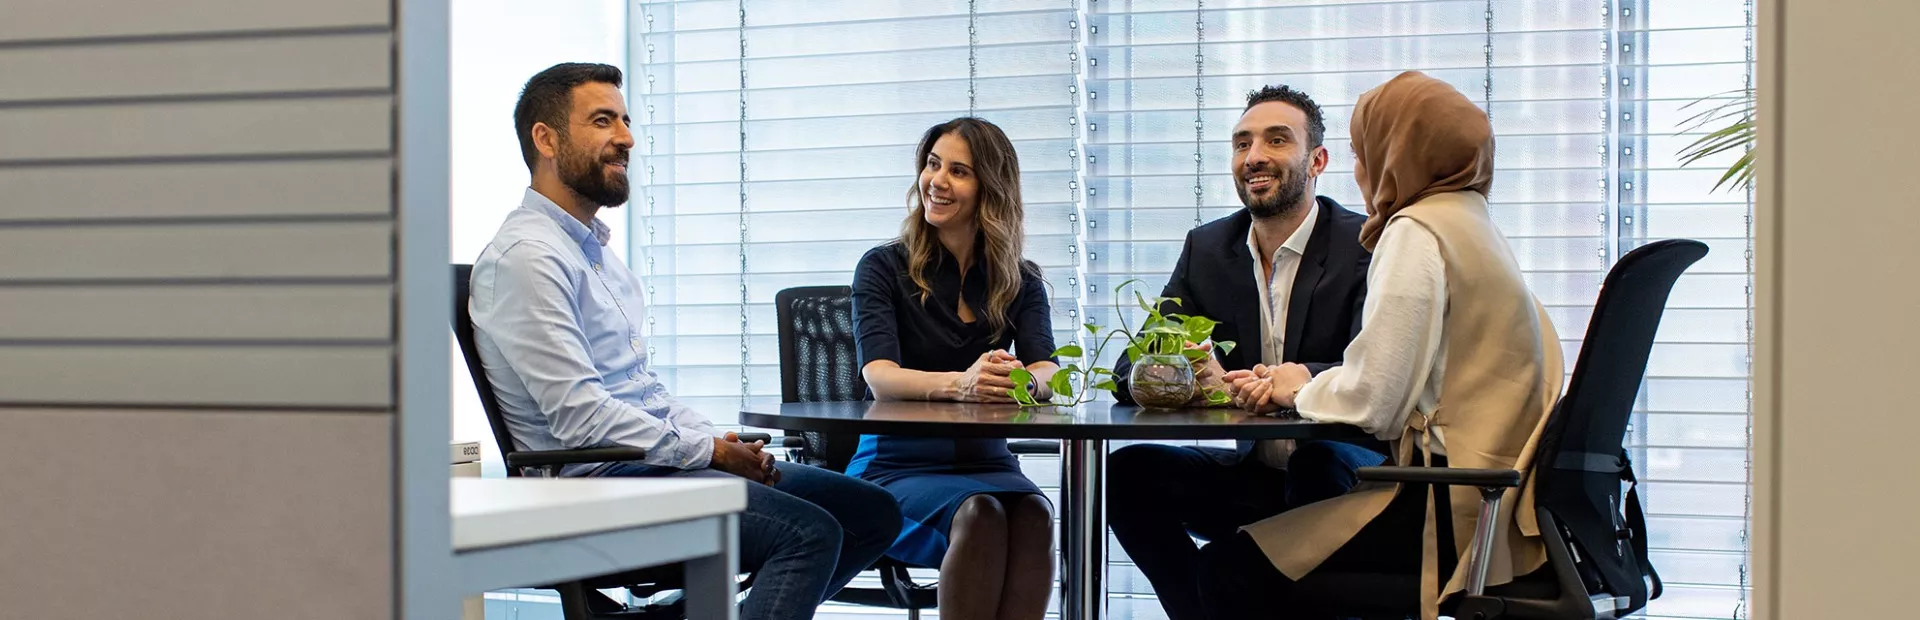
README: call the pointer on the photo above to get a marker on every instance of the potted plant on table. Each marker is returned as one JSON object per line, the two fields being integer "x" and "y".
{"x": 1163, "y": 352}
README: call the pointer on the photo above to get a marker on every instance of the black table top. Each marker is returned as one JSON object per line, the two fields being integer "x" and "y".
{"x": 1089, "y": 421}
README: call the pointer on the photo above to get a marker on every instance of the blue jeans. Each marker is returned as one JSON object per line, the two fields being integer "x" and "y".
{"x": 802, "y": 539}
{"x": 1159, "y": 497}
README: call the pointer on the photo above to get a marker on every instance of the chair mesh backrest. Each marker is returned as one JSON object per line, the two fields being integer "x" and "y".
{"x": 1578, "y": 472}
{"x": 463, "y": 333}
{"x": 818, "y": 360}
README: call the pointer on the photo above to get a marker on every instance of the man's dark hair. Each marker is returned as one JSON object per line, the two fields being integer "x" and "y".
{"x": 1316, "y": 124}
{"x": 548, "y": 98}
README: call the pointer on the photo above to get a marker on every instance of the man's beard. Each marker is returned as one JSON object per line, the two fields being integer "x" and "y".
{"x": 585, "y": 173}
{"x": 1288, "y": 194}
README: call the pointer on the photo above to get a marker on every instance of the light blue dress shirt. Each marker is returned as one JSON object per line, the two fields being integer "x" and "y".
{"x": 557, "y": 317}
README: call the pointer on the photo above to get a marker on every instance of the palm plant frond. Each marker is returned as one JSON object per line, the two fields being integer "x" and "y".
{"x": 1738, "y": 134}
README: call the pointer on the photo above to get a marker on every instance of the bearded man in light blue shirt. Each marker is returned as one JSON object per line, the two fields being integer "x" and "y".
{"x": 557, "y": 320}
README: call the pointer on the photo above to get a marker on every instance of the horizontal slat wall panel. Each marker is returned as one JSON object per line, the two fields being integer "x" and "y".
{"x": 233, "y": 514}
{"x": 55, "y": 20}
{"x": 196, "y": 251}
{"x": 197, "y": 129}
{"x": 266, "y": 376}
{"x": 197, "y": 308}
{"x": 255, "y": 189}
{"x": 361, "y": 312}
{"x": 353, "y": 61}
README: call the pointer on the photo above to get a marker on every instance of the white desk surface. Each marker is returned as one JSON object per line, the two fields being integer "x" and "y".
{"x": 492, "y": 512}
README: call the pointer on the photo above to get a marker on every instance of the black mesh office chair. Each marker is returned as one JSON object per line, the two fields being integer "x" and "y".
{"x": 1596, "y": 539}
{"x": 579, "y": 600}
{"x": 818, "y": 363}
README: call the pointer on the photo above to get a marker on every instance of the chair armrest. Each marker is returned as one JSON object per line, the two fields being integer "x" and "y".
{"x": 1491, "y": 483}
{"x": 542, "y": 458}
{"x": 1033, "y": 446}
{"x": 1450, "y": 476}
{"x": 784, "y": 441}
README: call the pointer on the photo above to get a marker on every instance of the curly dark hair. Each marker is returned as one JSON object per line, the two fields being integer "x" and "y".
{"x": 1316, "y": 123}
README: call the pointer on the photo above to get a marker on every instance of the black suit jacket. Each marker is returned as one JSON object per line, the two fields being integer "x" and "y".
{"x": 1214, "y": 278}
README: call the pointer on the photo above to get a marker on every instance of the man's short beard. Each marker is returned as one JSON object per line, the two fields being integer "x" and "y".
{"x": 1288, "y": 196}
{"x": 585, "y": 174}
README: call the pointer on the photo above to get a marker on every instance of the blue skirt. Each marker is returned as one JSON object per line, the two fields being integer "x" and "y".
{"x": 930, "y": 483}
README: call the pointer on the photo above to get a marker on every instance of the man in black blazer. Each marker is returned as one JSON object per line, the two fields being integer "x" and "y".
{"x": 1286, "y": 278}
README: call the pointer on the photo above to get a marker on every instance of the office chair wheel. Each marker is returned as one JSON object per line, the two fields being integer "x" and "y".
{"x": 1480, "y": 608}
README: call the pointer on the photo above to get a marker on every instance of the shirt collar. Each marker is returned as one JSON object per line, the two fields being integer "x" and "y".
{"x": 947, "y": 259}
{"x": 578, "y": 231}
{"x": 1297, "y": 242}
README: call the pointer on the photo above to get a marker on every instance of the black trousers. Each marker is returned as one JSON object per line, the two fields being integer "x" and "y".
{"x": 1160, "y": 497}
{"x": 1237, "y": 582}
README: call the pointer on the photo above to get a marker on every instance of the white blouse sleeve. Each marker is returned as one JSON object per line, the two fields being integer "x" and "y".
{"x": 1388, "y": 365}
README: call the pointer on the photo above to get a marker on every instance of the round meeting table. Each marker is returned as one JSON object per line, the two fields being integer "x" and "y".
{"x": 1083, "y": 431}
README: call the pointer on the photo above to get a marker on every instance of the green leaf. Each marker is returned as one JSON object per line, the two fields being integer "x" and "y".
{"x": 1062, "y": 384}
{"x": 1092, "y": 328}
{"x": 1072, "y": 350}
{"x": 1223, "y": 346}
{"x": 1216, "y": 396}
{"x": 1166, "y": 329}
{"x": 1172, "y": 344}
{"x": 1021, "y": 378}
{"x": 1194, "y": 355}
{"x": 1106, "y": 385}
{"x": 1171, "y": 300}
{"x": 1741, "y": 174}
{"x": 1133, "y": 352}
{"x": 1733, "y": 113}
{"x": 1142, "y": 299}
{"x": 1097, "y": 371}
{"x": 1199, "y": 328}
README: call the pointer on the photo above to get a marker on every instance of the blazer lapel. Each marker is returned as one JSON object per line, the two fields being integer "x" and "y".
{"x": 1243, "y": 295}
{"x": 1306, "y": 279}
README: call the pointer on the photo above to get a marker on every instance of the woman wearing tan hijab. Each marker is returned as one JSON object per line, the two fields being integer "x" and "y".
{"x": 1456, "y": 363}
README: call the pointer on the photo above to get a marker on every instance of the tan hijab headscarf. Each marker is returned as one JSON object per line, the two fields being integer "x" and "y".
{"x": 1416, "y": 136}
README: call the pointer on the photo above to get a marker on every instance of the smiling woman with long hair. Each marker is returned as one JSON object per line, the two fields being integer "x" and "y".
{"x": 934, "y": 313}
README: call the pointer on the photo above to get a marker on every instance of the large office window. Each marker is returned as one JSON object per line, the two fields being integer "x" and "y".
{"x": 777, "y": 139}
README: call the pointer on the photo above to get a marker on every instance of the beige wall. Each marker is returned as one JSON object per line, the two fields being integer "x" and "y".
{"x": 1839, "y": 348}
{"x": 197, "y": 317}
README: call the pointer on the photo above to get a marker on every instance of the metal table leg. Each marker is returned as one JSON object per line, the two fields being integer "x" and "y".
{"x": 1083, "y": 489}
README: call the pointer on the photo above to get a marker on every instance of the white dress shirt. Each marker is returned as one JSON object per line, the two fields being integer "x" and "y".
{"x": 1394, "y": 367}
{"x": 1276, "y": 292}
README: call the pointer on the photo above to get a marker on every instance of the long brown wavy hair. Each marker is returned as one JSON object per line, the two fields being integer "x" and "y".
{"x": 999, "y": 214}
